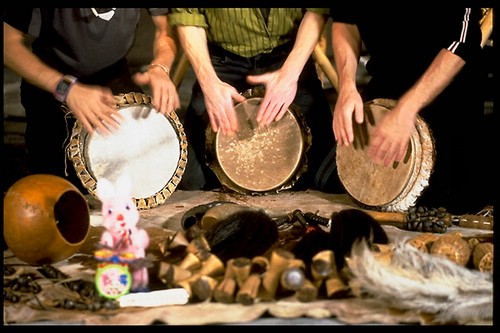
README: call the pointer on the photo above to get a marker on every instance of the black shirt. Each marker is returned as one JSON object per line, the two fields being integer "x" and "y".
{"x": 410, "y": 37}
{"x": 76, "y": 40}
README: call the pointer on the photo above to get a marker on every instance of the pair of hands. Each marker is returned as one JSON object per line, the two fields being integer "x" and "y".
{"x": 95, "y": 107}
{"x": 390, "y": 138}
{"x": 221, "y": 97}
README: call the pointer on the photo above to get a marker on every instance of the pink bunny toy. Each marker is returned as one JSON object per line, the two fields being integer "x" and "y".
{"x": 120, "y": 217}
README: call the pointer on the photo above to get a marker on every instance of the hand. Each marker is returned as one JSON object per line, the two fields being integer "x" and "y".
{"x": 219, "y": 101}
{"x": 94, "y": 107}
{"x": 348, "y": 102}
{"x": 390, "y": 138}
{"x": 165, "y": 96}
{"x": 279, "y": 94}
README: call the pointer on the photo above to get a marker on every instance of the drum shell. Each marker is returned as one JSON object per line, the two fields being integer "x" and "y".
{"x": 139, "y": 132}
{"x": 260, "y": 161}
{"x": 46, "y": 219}
{"x": 386, "y": 188}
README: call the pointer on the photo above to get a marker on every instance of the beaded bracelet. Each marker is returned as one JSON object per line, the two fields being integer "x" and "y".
{"x": 165, "y": 69}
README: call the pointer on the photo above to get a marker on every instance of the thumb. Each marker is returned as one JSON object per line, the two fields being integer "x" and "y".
{"x": 259, "y": 79}
{"x": 238, "y": 98}
{"x": 140, "y": 78}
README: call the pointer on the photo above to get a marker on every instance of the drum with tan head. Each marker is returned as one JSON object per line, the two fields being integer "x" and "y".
{"x": 386, "y": 188}
{"x": 148, "y": 146}
{"x": 259, "y": 160}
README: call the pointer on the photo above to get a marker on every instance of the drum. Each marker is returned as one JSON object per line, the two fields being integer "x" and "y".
{"x": 259, "y": 160}
{"x": 392, "y": 188}
{"x": 148, "y": 146}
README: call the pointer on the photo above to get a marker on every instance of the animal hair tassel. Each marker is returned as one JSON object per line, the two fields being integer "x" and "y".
{"x": 418, "y": 281}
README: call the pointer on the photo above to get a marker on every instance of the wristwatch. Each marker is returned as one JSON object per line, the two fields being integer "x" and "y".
{"x": 63, "y": 87}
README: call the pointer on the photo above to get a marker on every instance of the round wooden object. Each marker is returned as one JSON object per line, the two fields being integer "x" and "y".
{"x": 259, "y": 160}
{"x": 387, "y": 188}
{"x": 46, "y": 219}
{"x": 148, "y": 146}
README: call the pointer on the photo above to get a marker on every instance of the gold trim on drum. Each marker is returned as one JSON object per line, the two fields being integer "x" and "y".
{"x": 149, "y": 146}
{"x": 387, "y": 188}
{"x": 259, "y": 160}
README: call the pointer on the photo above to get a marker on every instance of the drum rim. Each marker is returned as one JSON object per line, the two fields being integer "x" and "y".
{"x": 75, "y": 152}
{"x": 227, "y": 183}
{"x": 419, "y": 178}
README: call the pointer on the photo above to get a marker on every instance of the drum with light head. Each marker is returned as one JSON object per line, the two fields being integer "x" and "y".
{"x": 386, "y": 188}
{"x": 259, "y": 160}
{"x": 148, "y": 146}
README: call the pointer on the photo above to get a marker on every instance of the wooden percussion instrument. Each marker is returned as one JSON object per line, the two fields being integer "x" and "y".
{"x": 386, "y": 188}
{"x": 148, "y": 146}
{"x": 259, "y": 160}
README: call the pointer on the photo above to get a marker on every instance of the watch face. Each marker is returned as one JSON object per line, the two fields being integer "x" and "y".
{"x": 63, "y": 86}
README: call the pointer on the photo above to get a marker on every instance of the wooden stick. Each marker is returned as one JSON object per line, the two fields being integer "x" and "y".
{"x": 203, "y": 287}
{"x": 190, "y": 262}
{"x": 170, "y": 274}
{"x": 180, "y": 69}
{"x": 260, "y": 264}
{"x": 486, "y": 26}
{"x": 213, "y": 266}
{"x": 280, "y": 259}
{"x": 249, "y": 290}
{"x": 241, "y": 268}
{"x": 335, "y": 287}
{"x": 323, "y": 265}
{"x": 293, "y": 277}
{"x": 225, "y": 290}
{"x": 308, "y": 291}
{"x": 176, "y": 242}
{"x": 326, "y": 66}
{"x": 200, "y": 247}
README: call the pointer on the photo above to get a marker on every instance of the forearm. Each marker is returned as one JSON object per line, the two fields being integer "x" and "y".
{"x": 164, "y": 46}
{"x": 308, "y": 36}
{"x": 194, "y": 42}
{"x": 346, "y": 46}
{"x": 24, "y": 63}
{"x": 435, "y": 79}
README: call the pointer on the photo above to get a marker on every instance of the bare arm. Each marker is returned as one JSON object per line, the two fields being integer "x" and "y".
{"x": 281, "y": 85}
{"x": 23, "y": 62}
{"x": 165, "y": 95}
{"x": 94, "y": 106}
{"x": 219, "y": 95}
{"x": 346, "y": 45}
{"x": 390, "y": 138}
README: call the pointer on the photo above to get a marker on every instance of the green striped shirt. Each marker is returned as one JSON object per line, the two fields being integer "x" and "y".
{"x": 243, "y": 31}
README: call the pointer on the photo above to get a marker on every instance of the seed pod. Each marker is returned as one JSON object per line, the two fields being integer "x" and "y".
{"x": 482, "y": 257}
{"x": 453, "y": 247}
{"x": 423, "y": 242}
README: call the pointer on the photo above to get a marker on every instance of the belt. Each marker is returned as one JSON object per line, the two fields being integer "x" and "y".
{"x": 219, "y": 51}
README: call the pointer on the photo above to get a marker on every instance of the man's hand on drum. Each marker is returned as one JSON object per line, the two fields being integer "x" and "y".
{"x": 349, "y": 101}
{"x": 279, "y": 95}
{"x": 94, "y": 107}
{"x": 390, "y": 138}
{"x": 220, "y": 98}
{"x": 165, "y": 96}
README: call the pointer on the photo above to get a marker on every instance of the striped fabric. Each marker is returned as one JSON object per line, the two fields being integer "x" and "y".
{"x": 243, "y": 31}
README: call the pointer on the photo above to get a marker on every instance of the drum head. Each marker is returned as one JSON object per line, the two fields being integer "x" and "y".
{"x": 259, "y": 160}
{"x": 148, "y": 146}
{"x": 391, "y": 188}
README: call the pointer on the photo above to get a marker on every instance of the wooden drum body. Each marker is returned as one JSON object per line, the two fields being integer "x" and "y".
{"x": 148, "y": 146}
{"x": 259, "y": 160}
{"x": 386, "y": 188}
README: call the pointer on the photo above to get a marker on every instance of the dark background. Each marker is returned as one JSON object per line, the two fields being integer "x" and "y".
{"x": 13, "y": 152}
